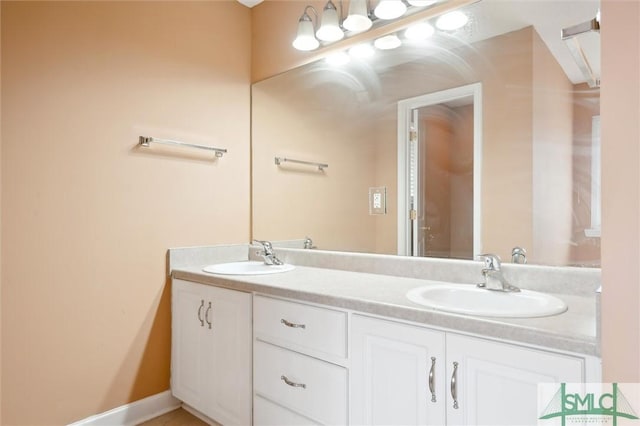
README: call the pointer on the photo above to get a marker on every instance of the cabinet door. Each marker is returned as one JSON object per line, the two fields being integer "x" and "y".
{"x": 390, "y": 372}
{"x": 211, "y": 351}
{"x": 189, "y": 342}
{"x": 228, "y": 323}
{"x": 497, "y": 383}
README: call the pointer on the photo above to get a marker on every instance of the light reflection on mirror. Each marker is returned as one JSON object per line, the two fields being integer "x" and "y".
{"x": 538, "y": 188}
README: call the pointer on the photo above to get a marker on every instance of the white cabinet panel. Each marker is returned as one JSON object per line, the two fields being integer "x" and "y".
{"x": 315, "y": 388}
{"x": 390, "y": 368}
{"x": 211, "y": 351}
{"x": 493, "y": 384}
{"x": 189, "y": 340}
{"x": 301, "y": 327}
{"x": 497, "y": 383}
{"x": 266, "y": 413}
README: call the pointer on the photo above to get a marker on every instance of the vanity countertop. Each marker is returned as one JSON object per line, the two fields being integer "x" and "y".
{"x": 384, "y": 295}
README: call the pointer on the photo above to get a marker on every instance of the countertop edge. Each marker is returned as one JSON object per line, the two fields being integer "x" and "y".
{"x": 492, "y": 328}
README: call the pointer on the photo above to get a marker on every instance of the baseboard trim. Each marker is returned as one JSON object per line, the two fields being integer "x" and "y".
{"x": 135, "y": 412}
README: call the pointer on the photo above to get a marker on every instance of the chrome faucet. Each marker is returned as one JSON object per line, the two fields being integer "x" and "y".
{"x": 518, "y": 255}
{"x": 492, "y": 273}
{"x": 267, "y": 253}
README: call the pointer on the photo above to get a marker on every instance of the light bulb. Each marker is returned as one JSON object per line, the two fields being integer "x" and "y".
{"x": 452, "y": 21}
{"x": 420, "y": 31}
{"x": 390, "y": 9}
{"x": 305, "y": 40}
{"x": 329, "y": 24}
{"x": 387, "y": 42}
{"x": 358, "y": 18}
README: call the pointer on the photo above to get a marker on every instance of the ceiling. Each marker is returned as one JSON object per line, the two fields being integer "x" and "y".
{"x": 250, "y": 3}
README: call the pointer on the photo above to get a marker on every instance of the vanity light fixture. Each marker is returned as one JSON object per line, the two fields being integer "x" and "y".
{"x": 330, "y": 24}
{"x": 358, "y": 19}
{"x": 388, "y": 42}
{"x": 305, "y": 38}
{"x": 362, "y": 51}
{"x": 329, "y": 28}
{"x": 419, "y": 31}
{"x": 338, "y": 59}
{"x": 390, "y": 9}
{"x": 452, "y": 21}
{"x": 422, "y": 3}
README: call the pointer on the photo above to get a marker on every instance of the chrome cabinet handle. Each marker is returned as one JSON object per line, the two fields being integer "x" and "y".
{"x": 293, "y": 384}
{"x": 454, "y": 385}
{"x": 292, "y": 325}
{"x": 200, "y": 313}
{"x": 206, "y": 315}
{"x": 432, "y": 379}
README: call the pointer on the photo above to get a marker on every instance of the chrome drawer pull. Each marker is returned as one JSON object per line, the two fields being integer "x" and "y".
{"x": 454, "y": 385}
{"x": 432, "y": 386}
{"x": 200, "y": 313}
{"x": 292, "y": 325}
{"x": 206, "y": 315}
{"x": 293, "y": 384}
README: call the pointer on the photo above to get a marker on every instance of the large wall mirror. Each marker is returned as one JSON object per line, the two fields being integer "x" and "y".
{"x": 481, "y": 139}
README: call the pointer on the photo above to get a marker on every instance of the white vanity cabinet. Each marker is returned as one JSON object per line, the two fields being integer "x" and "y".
{"x": 211, "y": 351}
{"x": 397, "y": 373}
{"x": 300, "y": 352}
{"x": 257, "y": 359}
{"x": 473, "y": 381}
{"x": 497, "y": 383}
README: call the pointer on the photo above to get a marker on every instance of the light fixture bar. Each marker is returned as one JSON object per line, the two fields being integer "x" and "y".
{"x": 569, "y": 35}
{"x": 585, "y": 27}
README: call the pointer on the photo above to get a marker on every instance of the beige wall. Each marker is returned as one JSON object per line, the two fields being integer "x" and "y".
{"x": 552, "y": 158}
{"x": 288, "y": 200}
{"x": 87, "y": 215}
{"x": 274, "y": 23}
{"x": 507, "y": 214}
{"x": 620, "y": 103}
{"x": 586, "y": 105}
{"x": 385, "y": 225}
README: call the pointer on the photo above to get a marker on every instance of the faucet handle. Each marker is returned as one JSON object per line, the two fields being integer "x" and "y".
{"x": 518, "y": 255}
{"x": 491, "y": 261}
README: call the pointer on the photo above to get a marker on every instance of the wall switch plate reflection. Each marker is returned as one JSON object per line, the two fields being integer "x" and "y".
{"x": 378, "y": 200}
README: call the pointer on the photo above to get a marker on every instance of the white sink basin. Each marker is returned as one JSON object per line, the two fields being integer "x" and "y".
{"x": 471, "y": 300}
{"x": 250, "y": 267}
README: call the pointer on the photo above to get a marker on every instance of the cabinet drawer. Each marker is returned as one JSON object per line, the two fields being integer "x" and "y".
{"x": 324, "y": 395}
{"x": 300, "y": 327}
{"x": 266, "y": 413}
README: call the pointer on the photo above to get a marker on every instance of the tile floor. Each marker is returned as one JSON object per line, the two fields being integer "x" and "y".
{"x": 177, "y": 417}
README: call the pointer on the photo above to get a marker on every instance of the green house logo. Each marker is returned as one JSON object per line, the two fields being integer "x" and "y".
{"x": 579, "y": 406}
